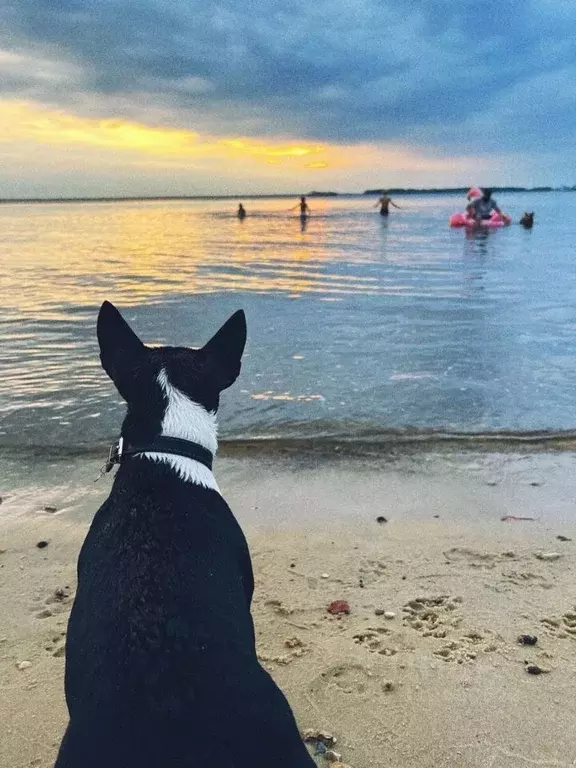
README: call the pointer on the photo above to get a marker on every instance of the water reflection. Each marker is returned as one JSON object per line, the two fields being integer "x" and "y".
{"x": 139, "y": 253}
{"x": 355, "y": 322}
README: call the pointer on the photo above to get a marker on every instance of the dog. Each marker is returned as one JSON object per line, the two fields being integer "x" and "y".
{"x": 527, "y": 221}
{"x": 161, "y": 666}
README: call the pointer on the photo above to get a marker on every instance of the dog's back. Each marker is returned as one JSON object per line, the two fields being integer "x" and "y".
{"x": 161, "y": 666}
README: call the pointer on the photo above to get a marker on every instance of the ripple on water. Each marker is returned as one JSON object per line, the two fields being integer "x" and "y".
{"x": 386, "y": 325}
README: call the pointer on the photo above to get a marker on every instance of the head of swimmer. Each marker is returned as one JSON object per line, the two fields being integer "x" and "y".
{"x": 486, "y": 193}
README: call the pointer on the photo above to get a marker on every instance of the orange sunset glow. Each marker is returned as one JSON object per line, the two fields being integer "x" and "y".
{"x": 121, "y": 144}
{"x": 26, "y": 122}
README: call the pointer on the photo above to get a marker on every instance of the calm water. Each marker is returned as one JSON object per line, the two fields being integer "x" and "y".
{"x": 357, "y": 326}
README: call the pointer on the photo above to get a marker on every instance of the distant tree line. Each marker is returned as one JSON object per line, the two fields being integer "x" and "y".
{"x": 460, "y": 190}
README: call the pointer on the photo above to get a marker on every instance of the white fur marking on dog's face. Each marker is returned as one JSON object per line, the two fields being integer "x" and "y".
{"x": 187, "y": 420}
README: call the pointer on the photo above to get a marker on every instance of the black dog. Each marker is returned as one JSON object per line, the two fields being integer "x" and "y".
{"x": 527, "y": 221}
{"x": 161, "y": 667}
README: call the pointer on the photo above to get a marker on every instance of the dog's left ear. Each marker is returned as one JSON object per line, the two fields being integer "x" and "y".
{"x": 121, "y": 351}
{"x": 224, "y": 351}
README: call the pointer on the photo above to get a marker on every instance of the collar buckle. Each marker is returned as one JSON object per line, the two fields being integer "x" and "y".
{"x": 114, "y": 455}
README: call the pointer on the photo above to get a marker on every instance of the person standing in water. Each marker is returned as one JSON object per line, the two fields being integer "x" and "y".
{"x": 241, "y": 212}
{"x": 304, "y": 209}
{"x": 385, "y": 202}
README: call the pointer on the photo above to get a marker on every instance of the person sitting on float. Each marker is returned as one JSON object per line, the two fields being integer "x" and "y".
{"x": 481, "y": 208}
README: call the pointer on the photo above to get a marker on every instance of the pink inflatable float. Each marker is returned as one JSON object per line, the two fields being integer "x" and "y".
{"x": 494, "y": 222}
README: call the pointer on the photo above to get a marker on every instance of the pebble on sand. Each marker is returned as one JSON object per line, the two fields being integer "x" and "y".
{"x": 389, "y": 615}
{"x": 50, "y": 509}
{"x": 42, "y": 544}
{"x": 293, "y": 642}
{"x": 24, "y": 664}
{"x": 534, "y": 669}
{"x": 527, "y": 639}
{"x": 338, "y": 606}
{"x": 381, "y": 519}
{"x": 313, "y": 734}
{"x": 331, "y": 756}
{"x": 548, "y": 556}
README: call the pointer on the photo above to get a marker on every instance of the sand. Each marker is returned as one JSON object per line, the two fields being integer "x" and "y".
{"x": 426, "y": 670}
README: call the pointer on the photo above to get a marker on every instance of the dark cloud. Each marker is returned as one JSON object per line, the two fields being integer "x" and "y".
{"x": 455, "y": 75}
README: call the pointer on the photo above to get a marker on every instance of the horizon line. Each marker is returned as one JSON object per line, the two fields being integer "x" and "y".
{"x": 237, "y": 196}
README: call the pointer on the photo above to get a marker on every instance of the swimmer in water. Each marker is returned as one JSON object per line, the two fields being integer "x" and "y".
{"x": 304, "y": 209}
{"x": 385, "y": 202}
{"x": 241, "y": 212}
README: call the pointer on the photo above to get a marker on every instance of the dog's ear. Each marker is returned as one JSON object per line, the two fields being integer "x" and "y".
{"x": 224, "y": 351}
{"x": 121, "y": 350}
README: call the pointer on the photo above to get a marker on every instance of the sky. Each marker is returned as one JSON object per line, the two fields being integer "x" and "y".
{"x": 178, "y": 97}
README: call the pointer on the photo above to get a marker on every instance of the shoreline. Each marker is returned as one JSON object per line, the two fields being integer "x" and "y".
{"x": 370, "y": 444}
{"x": 463, "y": 486}
{"x": 441, "y": 682}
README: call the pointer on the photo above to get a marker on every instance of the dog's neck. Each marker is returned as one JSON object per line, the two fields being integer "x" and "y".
{"x": 187, "y": 420}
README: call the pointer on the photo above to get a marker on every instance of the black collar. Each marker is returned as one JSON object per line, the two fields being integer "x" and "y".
{"x": 174, "y": 445}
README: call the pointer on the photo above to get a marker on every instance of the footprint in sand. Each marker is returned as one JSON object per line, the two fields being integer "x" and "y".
{"x": 371, "y": 638}
{"x": 45, "y": 613}
{"x": 476, "y": 559}
{"x": 278, "y": 607}
{"x": 382, "y": 640}
{"x": 56, "y": 603}
{"x": 371, "y": 571}
{"x": 433, "y": 616}
{"x": 351, "y": 679}
{"x": 57, "y": 644}
{"x": 527, "y": 579}
{"x": 467, "y": 648}
{"x": 563, "y": 627}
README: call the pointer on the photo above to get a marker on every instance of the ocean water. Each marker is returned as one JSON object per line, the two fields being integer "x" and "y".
{"x": 359, "y": 328}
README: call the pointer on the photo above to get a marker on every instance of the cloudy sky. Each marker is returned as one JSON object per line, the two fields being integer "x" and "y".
{"x": 145, "y": 97}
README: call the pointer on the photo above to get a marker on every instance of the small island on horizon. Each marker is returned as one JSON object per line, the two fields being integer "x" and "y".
{"x": 459, "y": 190}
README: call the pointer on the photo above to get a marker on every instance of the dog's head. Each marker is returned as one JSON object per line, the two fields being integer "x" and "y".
{"x": 527, "y": 220}
{"x": 144, "y": 376}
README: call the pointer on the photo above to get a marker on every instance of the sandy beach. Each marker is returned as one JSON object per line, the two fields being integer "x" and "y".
{"x": 425, "y": 670}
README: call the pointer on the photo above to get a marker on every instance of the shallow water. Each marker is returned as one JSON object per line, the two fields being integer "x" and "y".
{"x": 358, "y": 327}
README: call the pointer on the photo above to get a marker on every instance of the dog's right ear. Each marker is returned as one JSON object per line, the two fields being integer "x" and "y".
{"x": 224, "y": 351}
{"x": 121, "y": 351}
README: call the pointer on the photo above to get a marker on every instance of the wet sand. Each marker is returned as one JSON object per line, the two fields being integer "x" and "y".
{"x": 425, "y": 670}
